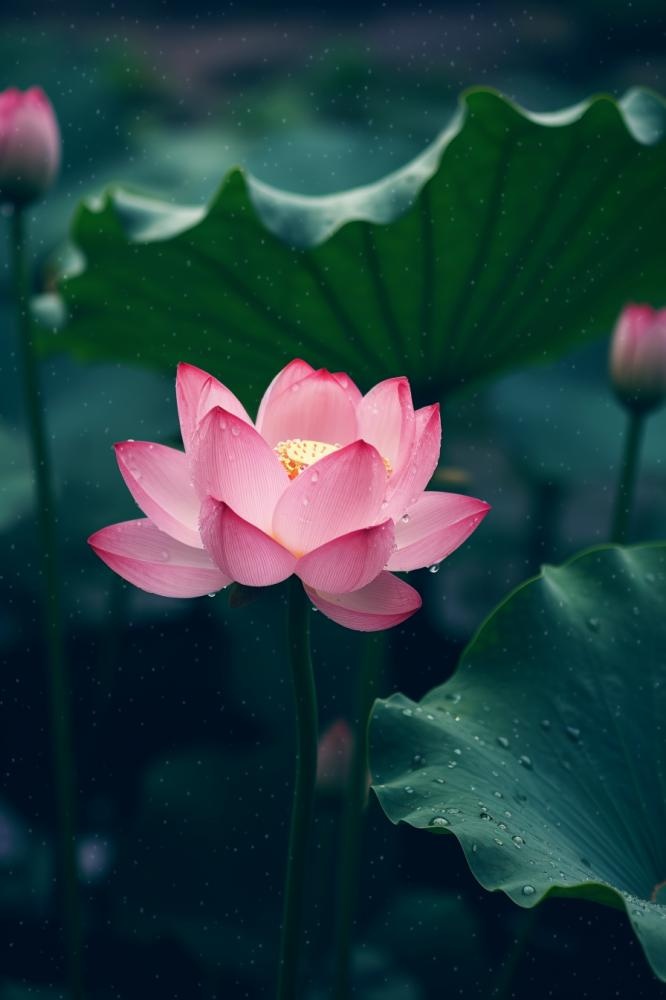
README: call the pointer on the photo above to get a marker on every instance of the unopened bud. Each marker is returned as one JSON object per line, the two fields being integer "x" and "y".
{"x": 29, "y": 145}
{"x": 638, "y": 358}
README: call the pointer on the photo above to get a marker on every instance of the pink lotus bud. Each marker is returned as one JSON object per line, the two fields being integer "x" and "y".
{"x": 334, "y": 756}
{"x": 638, "y": 357}
{"x": 29, "y": 145}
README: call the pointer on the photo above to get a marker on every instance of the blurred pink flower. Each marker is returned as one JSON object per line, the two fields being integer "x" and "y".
{"x": 29, "y": 145}
{"x": 334, "y": 757}
{"x": 638, "y": 357}
{"x": 327, "y": 484}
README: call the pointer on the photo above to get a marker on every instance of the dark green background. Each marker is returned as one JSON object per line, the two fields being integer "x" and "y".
{"x": 183, "y": 724}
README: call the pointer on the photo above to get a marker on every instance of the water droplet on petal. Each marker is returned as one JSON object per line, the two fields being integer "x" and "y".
{"x": 405, "y": 518}
{"x": 434, "y": 568}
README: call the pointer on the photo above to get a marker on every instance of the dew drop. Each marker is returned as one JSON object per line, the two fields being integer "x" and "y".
{"x": 439, "y": 821}
{"x": 573, "y": 733}
{"x": 405, "y": 518}
{"x": 409, "y": 789}
{"x": 528, "y": 890}
{"x": 235, "y": 430}
{"x": 503, "y": 741}
{"x": 525, "y": 761}
{"x": 407, "y": 712}
{"x": 517, "y": 841}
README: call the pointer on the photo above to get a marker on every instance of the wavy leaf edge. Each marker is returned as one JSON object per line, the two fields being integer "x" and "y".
{"x": 641, "y": 111}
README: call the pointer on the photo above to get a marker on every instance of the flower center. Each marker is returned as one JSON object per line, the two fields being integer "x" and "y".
{"x": 298, "y": 453}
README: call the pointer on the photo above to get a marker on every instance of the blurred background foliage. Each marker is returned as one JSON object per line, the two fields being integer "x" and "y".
{"x": 182, "y": 709}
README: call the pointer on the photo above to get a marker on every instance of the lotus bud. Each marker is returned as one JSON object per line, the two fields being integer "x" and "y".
{"x": 638, "y": 358}
{"x": 29, "y": 145}
{"x": 334, "y": 756}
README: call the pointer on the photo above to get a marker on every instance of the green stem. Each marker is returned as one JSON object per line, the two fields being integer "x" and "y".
{"x": 512, "y": 962}
{"x": 304, "y": 790}
{"x": 627, "y": 482}
{"x": 58, "y": 686}
{"x": 353, "y": 819}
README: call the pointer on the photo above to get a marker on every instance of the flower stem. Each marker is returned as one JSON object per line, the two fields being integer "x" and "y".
{"x": 352, "y": 820}
{"x": 627, "y": 482}
{"x": 304, "y": 789}
{"x": 58, "y": 687}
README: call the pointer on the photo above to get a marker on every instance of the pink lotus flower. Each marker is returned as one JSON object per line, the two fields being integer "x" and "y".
{"x": 29, "y": 145}
{"x": 327, "y": 484}
{"x": 638, "y": 357}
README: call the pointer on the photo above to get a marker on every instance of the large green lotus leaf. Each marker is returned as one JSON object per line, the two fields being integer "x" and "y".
{"x": 545, "y": 754}
{"x": 512, "y": 237}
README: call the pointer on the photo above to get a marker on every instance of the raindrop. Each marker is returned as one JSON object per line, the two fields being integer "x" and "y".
{"x": 409, "y": 789}
{"x": 573, "y": 733}
{"x": 418, "y": 760}
{"x": 434, "y": 568}
{"x": 439, "y": 821}
{"x": 500, "y": 843}
{"x": 525, "y": 761}
{"x": 440, "y": 781}
{"x": 503, "y": 741}
{"x": 528, "y": 890}
{"x": 518, "y": 841}
{"x": 305, "y": 501}
{"x": 407, "y": 712}
{"x": 405, "y": 518}
{"x": 451, "y": 764}
{"x": 235, "y": 430}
